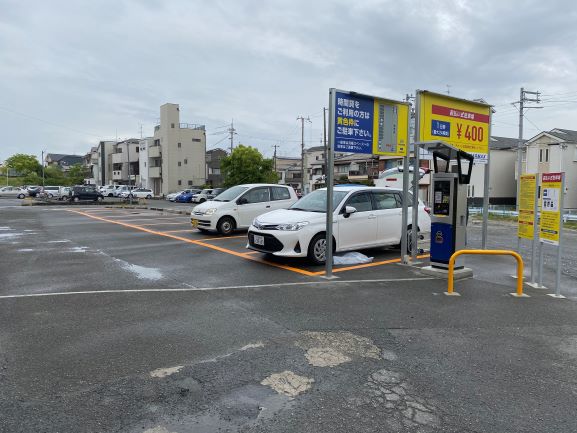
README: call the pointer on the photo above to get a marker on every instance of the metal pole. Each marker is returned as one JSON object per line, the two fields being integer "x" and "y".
{"x": 519, "y": 158}
{"x": 42, "y": 168}
{"x": 560, "y": 246}
{"x": 541, "y": 265}
{"x": 325, "y": 142}
{"x": 7, "y": 168}
{"x": 535, "y": 230}
{"x": 329, "y": 180}
{"x": 405, "y": 202}
{"x": 486, "y": 190}
{"x": 129, "y": 181}
{"x": 415, "y": 221}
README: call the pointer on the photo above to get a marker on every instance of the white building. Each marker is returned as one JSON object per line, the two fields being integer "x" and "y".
{"x": 125, "y": 162}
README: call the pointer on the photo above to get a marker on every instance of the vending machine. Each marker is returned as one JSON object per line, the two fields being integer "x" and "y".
{"x": 449, "y": 211}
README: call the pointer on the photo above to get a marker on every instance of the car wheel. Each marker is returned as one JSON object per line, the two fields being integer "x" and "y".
{"x": 225, "y": 226}
{"x": 110, "y": 194}
{"x": 76, "y": 199}
{"x": 148, "y": 196}
{"x": 318, "y": 248}
{"x": 99, "y": 198}
{"x": 202, "y": 200}
{"x": 20, "y": 196}
{"x": 130, "y": 196}
{"x": 50, "y": 196}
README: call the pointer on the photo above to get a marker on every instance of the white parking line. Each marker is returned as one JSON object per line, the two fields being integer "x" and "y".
{"x": 206, "y": 289}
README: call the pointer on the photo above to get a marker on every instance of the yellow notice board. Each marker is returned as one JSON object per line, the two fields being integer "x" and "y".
{"x": 526, "y": 220}
{"x": 461, "y": 123}
{"x": 390, "y": 129}
{"x": 551, "y": 190}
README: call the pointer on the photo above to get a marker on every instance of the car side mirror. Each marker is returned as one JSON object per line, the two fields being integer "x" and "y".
{"x": 349, "y": 210}
{"x": 242, "y": 200}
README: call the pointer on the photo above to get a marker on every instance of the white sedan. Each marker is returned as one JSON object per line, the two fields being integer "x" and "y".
{"x": 13, "y": 191}
{"x": 138, "y": 193}
{"x": 364, "y": 217}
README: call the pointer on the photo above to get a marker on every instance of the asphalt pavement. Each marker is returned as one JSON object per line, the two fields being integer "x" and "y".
{"x": 127, "y": 320}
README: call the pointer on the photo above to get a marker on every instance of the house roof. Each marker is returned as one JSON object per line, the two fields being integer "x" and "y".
{"x": 567, "y": 135}
{"x": 504, "y": 143}
{"x": 63, "y": 159}
{"x": 315, "y": 149}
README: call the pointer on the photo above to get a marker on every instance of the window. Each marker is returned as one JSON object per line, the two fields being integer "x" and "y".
{"x": 185, "y": 161}
{"x": 179, "y": 163}
{"x": 257, "y": 195}
{"x": 547, "y": 155}
{"x": 137, "y": 149}
{"x": 145, "y": 163}
{"x": 157, "y": 142}
{"x": 544, "y": 155}
{"x": 216, "y": 171}
{"x": 361, "y": 202}
{"x": 196, "y": 140}
{"x": 386, "y": 200}
{"x": 280, "y": 193}
{"x": 172, "y": 125}
{"x": 190, "y": 183}
{"x": 179, "y": 182}
{"x": 179, "y": 145}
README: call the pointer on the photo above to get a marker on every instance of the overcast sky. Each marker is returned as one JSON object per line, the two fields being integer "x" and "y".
{"x": 76, "y": 72}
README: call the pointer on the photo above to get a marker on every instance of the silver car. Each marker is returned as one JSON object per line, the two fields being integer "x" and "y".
{"x": 13, "y": 191}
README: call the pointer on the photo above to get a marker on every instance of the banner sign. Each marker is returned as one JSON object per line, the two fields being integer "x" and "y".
{"x": 461, "y": 123}
{"x": 551, "y": 190}
{"x": 365, "y": 124}
{"x": 526, "y": 219}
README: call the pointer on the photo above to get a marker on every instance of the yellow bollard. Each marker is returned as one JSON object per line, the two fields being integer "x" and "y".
{"x": 519, "y": 259}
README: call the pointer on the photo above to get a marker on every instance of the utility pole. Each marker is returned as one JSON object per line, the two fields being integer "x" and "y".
{"x": 42, "y": 168}
{"x": 325, "y": 143}
{"x": 232, "y": 133}
{"x": 522, "y": 99}
{"x": 302, "y": 119}
{"x": 141, "y": 131}
{"x": 274, "y": 157}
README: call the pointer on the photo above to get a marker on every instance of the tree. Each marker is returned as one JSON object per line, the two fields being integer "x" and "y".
{"x": 76, "y": 174}
{"x": 247, "y": 165}
{"x": 24, "y": 164}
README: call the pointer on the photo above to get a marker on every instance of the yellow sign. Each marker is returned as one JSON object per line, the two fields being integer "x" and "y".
{"x": 459, "y": 122}
{"x": 390, "y": 126}
{"x": 526, "y": 220}
{"x": 551, "y": 184}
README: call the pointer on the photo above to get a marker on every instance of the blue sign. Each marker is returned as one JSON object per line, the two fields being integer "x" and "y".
{"x": 353, "y": 123}
{"x": 440, "y": 128}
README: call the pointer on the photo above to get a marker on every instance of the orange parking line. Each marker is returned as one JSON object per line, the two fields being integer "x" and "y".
{"x": 164, "y": 224}
{"x": 180, "y": 231}
{"x": 224, "y": 237}
{"x": 368, "y": 265}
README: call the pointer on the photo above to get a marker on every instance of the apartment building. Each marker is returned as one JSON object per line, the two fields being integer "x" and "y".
{"x": 177, "y": 155}
{"x": 143, "y": 165}
{"x": 125, "y": 162}
{"x": 213, "y": 175}
{"x": 99, "y": 163}
{"x": 289, "y": 171}
{"x": 554, "y": 151}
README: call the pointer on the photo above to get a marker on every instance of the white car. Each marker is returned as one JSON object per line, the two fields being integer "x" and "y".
{"x": 108, "y": 190}
{"x": 364, "y": 217}
{"x": 202, "y": 196}
{"x": 238, "y": 206}
{"x": 121, "y": 189}
{"x": 52, "y": 191}
{"x": 13, "y": 191}
{"x": 138, "y": 193}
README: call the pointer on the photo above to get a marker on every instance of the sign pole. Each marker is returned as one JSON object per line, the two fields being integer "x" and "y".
{"x": 405, "y": 203}
{"x": 329, "y": 180}
{"x": 541, "y": 265}
{"x": 486, "y": 190}
{"x": 415, "y": 204}
{"x": 535, "y": 230}
{"x": 560, "y": 246}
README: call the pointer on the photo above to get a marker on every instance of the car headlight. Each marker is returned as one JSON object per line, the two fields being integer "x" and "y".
{"x": 292, "y": 227}
{"x": 210, "y": 211}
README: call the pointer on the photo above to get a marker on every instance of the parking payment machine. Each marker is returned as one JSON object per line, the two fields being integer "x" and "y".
{"x": 449, "y": 210}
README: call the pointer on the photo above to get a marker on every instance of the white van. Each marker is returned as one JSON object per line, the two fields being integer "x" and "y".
{"x": 238, "y": 206}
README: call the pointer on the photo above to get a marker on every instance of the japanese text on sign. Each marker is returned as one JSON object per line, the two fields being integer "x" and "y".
{"x": 551, "y": 185}
{"x": 526, "y": 220}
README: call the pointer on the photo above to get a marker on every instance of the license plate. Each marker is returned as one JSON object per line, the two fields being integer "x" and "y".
{"x": 258, "y": 240}
{"x": 194, "y": 223}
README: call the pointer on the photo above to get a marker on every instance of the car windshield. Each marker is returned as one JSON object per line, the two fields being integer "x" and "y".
{"x": 316, "y": 201}
{"x": 231, "y": 193}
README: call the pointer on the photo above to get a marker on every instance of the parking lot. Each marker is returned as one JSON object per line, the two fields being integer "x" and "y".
{"x": 129, "y": 320}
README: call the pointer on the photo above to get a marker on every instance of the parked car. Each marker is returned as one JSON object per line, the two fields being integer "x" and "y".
{"x": 32, "y": 190}
{"x": 185, "y": 197}
{"x": 236, "y": 207}
{"x": 365, "y": 217}
{"x": 108, "y": 190}
{"x": 51, "y": 191}
{"x": 64, "y": 193}
{"x": 202, "y": 196}
{"x": 13, "y": 191}
{"x": 172, "y": 196}
{"x": 138, "y": 193}
{"x": 78, "y": 193}
{"x": 122, "y": 188}
{"x": 215, "y": 192}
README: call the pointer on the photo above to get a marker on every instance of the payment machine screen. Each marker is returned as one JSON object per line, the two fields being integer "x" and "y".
{"x": 442, "y": 194}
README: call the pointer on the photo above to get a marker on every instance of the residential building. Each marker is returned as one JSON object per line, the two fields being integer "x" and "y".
{"x": 502, "y": 184}
{"x": 62, "y": 160}
{"x": 356, "y": 167}
{"x": 554, "y": 151}
{"x": 99, "y": 163}
{"x": 177, "y": 156}
{"x": 143, "y": 166}
{"x": 289, "y": 171}
{"x": 213, "y": 175}
{"x": 125, "y": 162}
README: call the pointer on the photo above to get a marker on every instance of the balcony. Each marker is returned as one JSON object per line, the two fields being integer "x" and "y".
{"x": 154, "y": 152}
{"x": 154, "y": 172}
{"x": 117, "y": 175}
{"x": 117, "y": 158}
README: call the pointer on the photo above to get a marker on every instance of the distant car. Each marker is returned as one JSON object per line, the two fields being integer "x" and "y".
{"x": 364, "y": 217}
{"x": 215, "y": 192}
{"x": 52, "y": 191}
{"x": 13, "y": 191}
{"x": 236, "y": 207}
{"x": 185, "y": 197}
{"x": 64, "y": 193}
{"x": 78, "y": 193}
{"x": 138, "y": 193}
{"x": 122, "y": 188}
{"x": 33, "y": 190}
{"x": 172, "y": 196}
{"x": 108, "y": 190}
{"x": 202, "y": 196}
